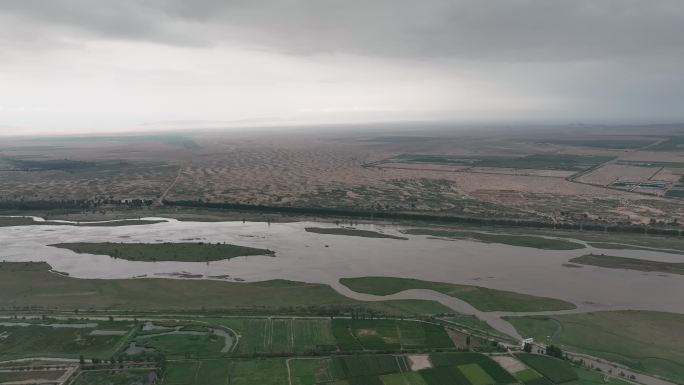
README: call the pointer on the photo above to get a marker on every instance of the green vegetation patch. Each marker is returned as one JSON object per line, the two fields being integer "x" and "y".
{"x": 481, "y": 298}
{"x": 384, "y": 334}
{"x": 612, "y": 262}
{"x": 556, "y": 370}
{"x": 475, "y": 374}
{"x": 409, "y": 378}
{"x": 30, "y": 375}
{"x": 506, "y": 239}
{"x": 29, "y": 284}
{"x": 613, "y": 144}
{"x": 643, "y": 340}
{"x": 37, "y": 340}
{"x": 181, "y": 345}
{"x": 493, "y": 370}
{"x": 527, "y": 375}
{"x": 137, "y": 377}
{"x": 563, "y": 162}
{"x": 364, "y": 366}
{"x": 351, "y": 232}
{"x": 152, "y": 252}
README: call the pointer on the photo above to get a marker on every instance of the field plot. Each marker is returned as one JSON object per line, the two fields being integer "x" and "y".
{"x": 281, "y": 335}
{"x": 554, "y": 369}
{"x": 481, "y": 298}
{"x": 638, "y": 339}
{"x": 180, "y": 345}
{"x": 138, "y": 377}
{"x": 465, "y": 368}
{"x": 354, "y": 369}
{"x": 63, "y": 340}
{"x": 30, "y": 376}
{"x": 388, "y": 334}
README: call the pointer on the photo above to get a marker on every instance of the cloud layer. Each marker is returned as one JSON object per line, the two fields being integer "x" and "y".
{"x": 67, "y": 63}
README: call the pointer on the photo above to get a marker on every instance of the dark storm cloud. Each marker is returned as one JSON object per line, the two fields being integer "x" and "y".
{"x": 518, "y": 30}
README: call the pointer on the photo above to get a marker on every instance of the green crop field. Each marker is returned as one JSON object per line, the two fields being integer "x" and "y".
{"x": 642, "y": 340}
{"x": 506, "y": 239}
{"x": 527, "y": 375}
{"x": 554, "y": 369}
{"x": 475, "y": 374}
{"x": 37, "y": 340}
{"x": 138, "y": 377}
{"x": 388, "y": 334}
{"x": 479, "y": 297}
{"x": 409, "y": 378}
{"x": 181, "y": 373}
{"x": 309, "y": 371}
{"x": 613, "y": 262}
{"x": 351, "y": 232}
{"x": 265, "y": 371}
{"x": 150, "y": 252}
{"x": 274, "y": 335}
{"x": 30, "y": 375}
{"x": 179, "y": 345}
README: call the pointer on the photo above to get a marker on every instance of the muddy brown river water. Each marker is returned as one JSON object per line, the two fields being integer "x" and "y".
{"x": 319, "y": 258}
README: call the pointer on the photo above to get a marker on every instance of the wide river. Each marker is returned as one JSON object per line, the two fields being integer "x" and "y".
{"x": 310, "y": 257}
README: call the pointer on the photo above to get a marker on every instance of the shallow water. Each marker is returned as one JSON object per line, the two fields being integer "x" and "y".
{"x": 319, "y": 258}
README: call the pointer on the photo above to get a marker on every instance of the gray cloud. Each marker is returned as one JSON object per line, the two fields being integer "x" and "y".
{"x": 528, "y": 30}
{"x": 574, "y": 60}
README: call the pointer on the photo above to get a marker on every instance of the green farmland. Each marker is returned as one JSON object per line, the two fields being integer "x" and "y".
{"x": 479, "y": 297}
{"x": 554, "y": 369}
{"x": 388, "y": 334}
{"x": 642, "y": 340}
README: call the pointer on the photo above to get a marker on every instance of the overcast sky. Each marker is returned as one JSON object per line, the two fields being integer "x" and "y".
{"x": 75, "y": 65}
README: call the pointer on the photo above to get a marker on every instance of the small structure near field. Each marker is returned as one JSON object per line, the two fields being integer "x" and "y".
{"x": 525, "y": 342}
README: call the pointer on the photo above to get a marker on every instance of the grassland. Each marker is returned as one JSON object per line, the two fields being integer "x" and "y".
{"x": 40, "y": 340}
{"x": 138, "y": 377}
{"x": 554, "y": 369}
{"x": 351, "y": 232}
{"x": 153, "y": 252}
{"x": 25, "y": 284}
{"x": 638, "y": 339}
{"x": 506, "y": 239}
{"x": 613, "y": 262}
{"x": 481, "y": 298}
{"x": 180, "y": 345}
{"x": 28, "y": 376}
